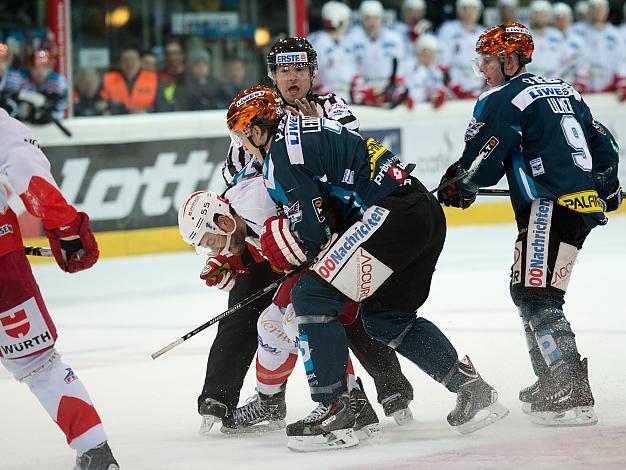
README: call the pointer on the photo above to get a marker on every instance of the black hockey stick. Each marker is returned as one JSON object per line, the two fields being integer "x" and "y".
{"x": 37, "y": 251}
{"x": 61, "y": 127}
{"x": 505, "y": 192}
{"x": 231, "y": 310}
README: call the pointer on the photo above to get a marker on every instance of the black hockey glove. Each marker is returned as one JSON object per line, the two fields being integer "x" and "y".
{"x": 611, "y": 201}
{"x": 451, "y": 194}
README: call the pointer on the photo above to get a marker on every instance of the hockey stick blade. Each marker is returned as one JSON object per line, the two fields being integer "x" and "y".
{"x": 37, "y": 251}
{"x": 231, "y": 310}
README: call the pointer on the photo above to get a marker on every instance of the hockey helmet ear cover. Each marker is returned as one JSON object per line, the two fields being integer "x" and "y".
{"x": 198, "y": 215}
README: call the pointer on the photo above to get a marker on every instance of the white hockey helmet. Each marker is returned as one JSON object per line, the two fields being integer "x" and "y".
{"x": 371, "y": 8}
{"x": 562, "y": 9}
{"x": 537, "y": 6}
{"x": 336, "y": 14}
{"x": 414, "y": 5}
{"x": 581, "y": 8}
{"x": 198, "y": 215}
{"x": 603, "y": 3}
{"x": 425, "y": 42}
{"x": 469, "y": 3}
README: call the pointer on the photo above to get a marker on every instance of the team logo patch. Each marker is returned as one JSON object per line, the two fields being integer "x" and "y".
{"x": 70, "y": 376}
{"x": 397, "y": 174}
{"x": 293, "y": 213}
{"x": 374, "y": 149}
{"x": 582, "y": 201}
{"x": 536, "y": 165}
{"x": 489, "y": 147}
{"x": 318, "y": 205}
{"x": 472, "y": 129}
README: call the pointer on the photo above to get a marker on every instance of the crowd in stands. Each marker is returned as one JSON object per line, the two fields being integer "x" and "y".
{"x": 370, "y": 63}
{"x": 361, "y": 58}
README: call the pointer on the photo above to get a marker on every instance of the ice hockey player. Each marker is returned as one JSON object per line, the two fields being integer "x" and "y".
{"x": 336, "y": 65}
{"x": 235, "y": 343}
{"x": 561, "y": 168}
{"x": 27, "y": 332}
{"x": 359, "y": 203}
{"x": 241, "y": 213}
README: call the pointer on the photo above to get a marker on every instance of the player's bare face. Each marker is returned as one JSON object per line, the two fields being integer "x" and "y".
{"x": 372, "y": 25}
{"x": 216, "y": 242}
{"x": 489, "y": 67}
{"x": 293, "y": 81}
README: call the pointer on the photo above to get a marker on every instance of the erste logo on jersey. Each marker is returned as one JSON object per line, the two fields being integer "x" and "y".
{"x": 6, "y": 228}
{"x": 291, "y": 58}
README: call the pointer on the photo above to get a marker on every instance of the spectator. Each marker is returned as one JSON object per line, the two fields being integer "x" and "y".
{"x": 423, "y": 78}
{"x": 173, "y": 71}
{"x": 550, "y": 49}
{"x": 138, "y": 90}
{"x": 413, "y": 23}
{"x": 336, "y": 65}
{"x": 234, "y": 78}
{"x": 148, "y": 61}
{"x": 573, "y": 69}
{"x": 507, "y": 10}
{"x": 377, "y": 51}
{"x": 604, "y": 52}
{"x": 200, "y": 90}
{"x": 581, "y": 13}
{"x": 5, "y": 60}
{"x": 87, "y": 99}
{"x": 457, "y": 39}
{"x": 41, "y": 94}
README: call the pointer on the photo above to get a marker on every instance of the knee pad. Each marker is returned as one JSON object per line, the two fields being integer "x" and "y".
{"x": 27, "y": 367}
{"x": 290, "y": 324}
{"x": 271, "y": 334}
{"x": 310, "y": 296}
{"x": 388, "y": 329}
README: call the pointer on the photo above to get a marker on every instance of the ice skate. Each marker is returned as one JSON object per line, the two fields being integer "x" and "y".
{"x": 366, "y": 424}
{"x": 533, "y": 393}
{"x": 325, "y": 428}
{"x": 476, "y": 403}
{"x": 98, "y": 458}
{"x": 262, "y": 413}
{"x": 567, "y": 404}
{"x": 211, "y": 411}
{"x": 397, "y": 407}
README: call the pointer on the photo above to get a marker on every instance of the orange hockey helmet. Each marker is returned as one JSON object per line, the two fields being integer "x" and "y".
{"x": 259, "y": 105}
{"x": 505, "y": 39}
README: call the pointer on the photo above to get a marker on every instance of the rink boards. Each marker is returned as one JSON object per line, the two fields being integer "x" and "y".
{"x": 130, "y": 173}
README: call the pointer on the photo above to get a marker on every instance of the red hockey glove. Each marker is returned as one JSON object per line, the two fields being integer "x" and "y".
{"x": 451, "y": 194}
{"x": 74, "y": 247}
{"x": 279, "y": 245}
{"x": 220, "y": 271}
{"x": 438, "y": 98}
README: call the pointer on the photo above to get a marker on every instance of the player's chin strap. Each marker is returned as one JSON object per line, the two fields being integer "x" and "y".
{"x": 508, "y": 77}
{"x": 261, "y": 147}
{"x": 226, "y": 248}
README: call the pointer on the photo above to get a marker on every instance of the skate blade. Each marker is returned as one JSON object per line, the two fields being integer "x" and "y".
{"x": 207, "y": 424}
{"x": 269, "y": 426}
{"x": 403, "y": 417}
{"x": 579, "y": 416}
{"x": 489, "y": 415}
{"x": 338, "y": 439}
{"x": 371, "y": 431}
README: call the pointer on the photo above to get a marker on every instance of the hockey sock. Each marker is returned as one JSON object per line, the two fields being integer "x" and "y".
{"x": 66, "y": 400}
{"x": 350, "y": 377}
{"x": 269, "y": 380}
{"x": 324, "y": 350}
{"x": 417, "y": 339}
{"x": 536, "y": 359}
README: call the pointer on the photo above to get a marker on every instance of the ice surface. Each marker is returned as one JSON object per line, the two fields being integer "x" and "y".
{"x": 112, "y": 317}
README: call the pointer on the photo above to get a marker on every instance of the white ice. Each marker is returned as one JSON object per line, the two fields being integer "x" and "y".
{"x": 112, "y": 317}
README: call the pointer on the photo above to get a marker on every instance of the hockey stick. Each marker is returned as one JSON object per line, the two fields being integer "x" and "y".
{"x": 231, "y": 310}
{"x": 61, "y": 127}
{"x": 506, "y": 192}
{"x": 37, "y": 251}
